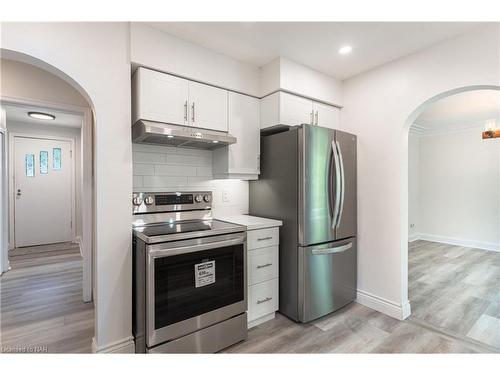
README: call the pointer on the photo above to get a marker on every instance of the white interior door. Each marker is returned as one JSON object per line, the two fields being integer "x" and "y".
{"x": 43, "y": 173}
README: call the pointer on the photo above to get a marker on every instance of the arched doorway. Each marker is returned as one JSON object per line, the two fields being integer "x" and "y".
{"x": 455, "y": 247}
{"x": 47, "y": 90}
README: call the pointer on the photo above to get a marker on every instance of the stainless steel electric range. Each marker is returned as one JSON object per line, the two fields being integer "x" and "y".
{"x": 189, "y": 275}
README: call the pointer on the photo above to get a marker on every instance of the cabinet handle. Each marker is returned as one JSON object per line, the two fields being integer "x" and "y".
{"x": 317, "y": 117}
{"x": 264, "y": 300}
{"x": 192, "y": 112}
{"x": 264, "y": 265}
{"x": 264, "y": 238}
{"x": 186, "y": 110}
{"x": 312, "y": 117}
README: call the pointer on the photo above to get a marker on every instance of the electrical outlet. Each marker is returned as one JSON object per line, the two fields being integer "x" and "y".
{"x": 226, "y": 196}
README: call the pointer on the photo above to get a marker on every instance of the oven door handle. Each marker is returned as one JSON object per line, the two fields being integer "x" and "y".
{"x": 161, "y": 253}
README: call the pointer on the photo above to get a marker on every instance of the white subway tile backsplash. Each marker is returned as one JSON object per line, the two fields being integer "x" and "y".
{"x": 188, "y": 160}
{"x": 195, "y": 152}
{"x": 204, "y": 171}
{"x": 164, "y": 181}
{"x": 149, "y": 157}
{"x": 158, "y": 168}
{"x": 143, "y": 169}
{"x": 136, "y": 147}
{"x": 137, "y": 182}
{"x": 174, "y": 170}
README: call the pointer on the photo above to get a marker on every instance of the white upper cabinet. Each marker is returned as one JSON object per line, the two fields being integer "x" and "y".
{"x": 159, "y": 97}
{"x": 295, "y": 110}
{"x": 326, "y": 115}
{"x": 242, "y": 159}
{"x": 282, "y": 108}
{"x": 208, "y": 107}
{"x": 165, "y": 98}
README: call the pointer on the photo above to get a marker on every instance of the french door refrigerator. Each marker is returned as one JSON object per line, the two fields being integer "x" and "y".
{"x": 308, "y": 180}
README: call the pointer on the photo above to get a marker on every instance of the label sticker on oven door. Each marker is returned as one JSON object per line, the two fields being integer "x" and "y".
{"x": 204, "y": 273}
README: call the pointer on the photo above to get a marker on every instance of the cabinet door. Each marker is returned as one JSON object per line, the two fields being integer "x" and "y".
{"x": 162, "y": 97}
{"x": 326, "y": 116}
{"x": 295, "y": 110}
{"x": 244, "y": 155}
{"x": 208, "y": 107}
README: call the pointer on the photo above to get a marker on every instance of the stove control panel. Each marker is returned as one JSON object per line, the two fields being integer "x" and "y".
{"x": 150, "y": 202}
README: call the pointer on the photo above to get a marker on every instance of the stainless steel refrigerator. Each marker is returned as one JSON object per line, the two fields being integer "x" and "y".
{"x": 308, "y": 180}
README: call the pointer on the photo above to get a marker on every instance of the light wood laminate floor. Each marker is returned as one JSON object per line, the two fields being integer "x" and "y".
{"x": 41, "y": 302}
{"x": 454, "y": 294}
{"x": 456, "y": 290}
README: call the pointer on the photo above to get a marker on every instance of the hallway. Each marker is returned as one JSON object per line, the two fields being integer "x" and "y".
{"x": 41, "y": 302}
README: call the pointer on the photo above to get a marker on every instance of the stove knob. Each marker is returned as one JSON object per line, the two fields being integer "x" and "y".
{"x": 137, "y": 201}
{"x": 198, "y": 198}
{"x": 206, "y": 198}
{"x": 149, "y": 200}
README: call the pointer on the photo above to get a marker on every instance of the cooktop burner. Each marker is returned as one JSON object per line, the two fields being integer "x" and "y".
{"x": 161, "y": 232}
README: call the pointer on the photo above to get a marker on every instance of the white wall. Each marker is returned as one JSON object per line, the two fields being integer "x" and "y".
{"x": 95, "y": 58}
{"x": 159, "y": 168}
{"x": 57, "y": 131}
{"x": 459, "y": 185}
{"x": 413, "y": 185}
{"x": 4, "y": 258}
{"x": 18, "y": 80}
{"x": 377, "y": 107}
{"x": 285, "y": 74}
{"x": 158, "y": 50}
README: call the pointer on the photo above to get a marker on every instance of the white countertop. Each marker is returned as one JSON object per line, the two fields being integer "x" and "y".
{"x": 251, "y": 222}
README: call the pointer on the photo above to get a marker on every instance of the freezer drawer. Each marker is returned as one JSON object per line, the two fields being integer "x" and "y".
{"x": 327, "y": 278}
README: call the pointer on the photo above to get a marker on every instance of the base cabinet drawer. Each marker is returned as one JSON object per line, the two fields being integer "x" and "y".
{"x": 262, "y": 238}
{"x": 262, "y": 264}
{"x": 262, "y": 299}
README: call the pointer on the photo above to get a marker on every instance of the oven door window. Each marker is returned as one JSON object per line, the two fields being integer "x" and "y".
{"x": 192, "y": 284}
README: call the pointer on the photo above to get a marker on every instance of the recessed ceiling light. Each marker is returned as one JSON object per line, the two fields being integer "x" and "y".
{"x": 41, "y": 116}
{"x": 345, "y": 50}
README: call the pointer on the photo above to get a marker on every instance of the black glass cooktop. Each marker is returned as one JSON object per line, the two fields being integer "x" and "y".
{"x": 153, "y": 231}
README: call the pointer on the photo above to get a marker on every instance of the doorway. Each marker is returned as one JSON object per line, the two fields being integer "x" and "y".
{"x": 48, "y": 159}
{"x": 454, "y": 218}
{"x": 43, "y": 188}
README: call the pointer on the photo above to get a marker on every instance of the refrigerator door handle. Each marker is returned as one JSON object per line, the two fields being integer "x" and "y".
{"x": 336, "y": 206}
{"x": 332, "y": 250}
{"x": 342, "y": 183}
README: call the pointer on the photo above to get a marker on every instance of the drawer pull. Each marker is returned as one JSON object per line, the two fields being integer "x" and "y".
{"x": 265, "y": 238}
{"x": 264, "y": 265}
{"x": 264, "y": 300}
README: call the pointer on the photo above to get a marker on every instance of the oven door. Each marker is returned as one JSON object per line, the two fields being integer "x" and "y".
{"x": 193, "y": 284}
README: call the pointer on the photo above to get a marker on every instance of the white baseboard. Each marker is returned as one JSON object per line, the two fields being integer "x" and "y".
{"x": 383, "y": 305}
{"x": 78, "y": 240}
{"x": 126, "y": 346}
{"x": 491, "y": 246}
{"x": 413, "y": 237}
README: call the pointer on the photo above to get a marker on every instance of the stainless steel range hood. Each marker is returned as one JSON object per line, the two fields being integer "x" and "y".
{"x": 158, "y": 133}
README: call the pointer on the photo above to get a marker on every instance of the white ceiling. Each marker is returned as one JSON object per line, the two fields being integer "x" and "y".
{"x": 20, "y": 114}
{"x": 464, "y": 110}
{"x": 316, "y": 44}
